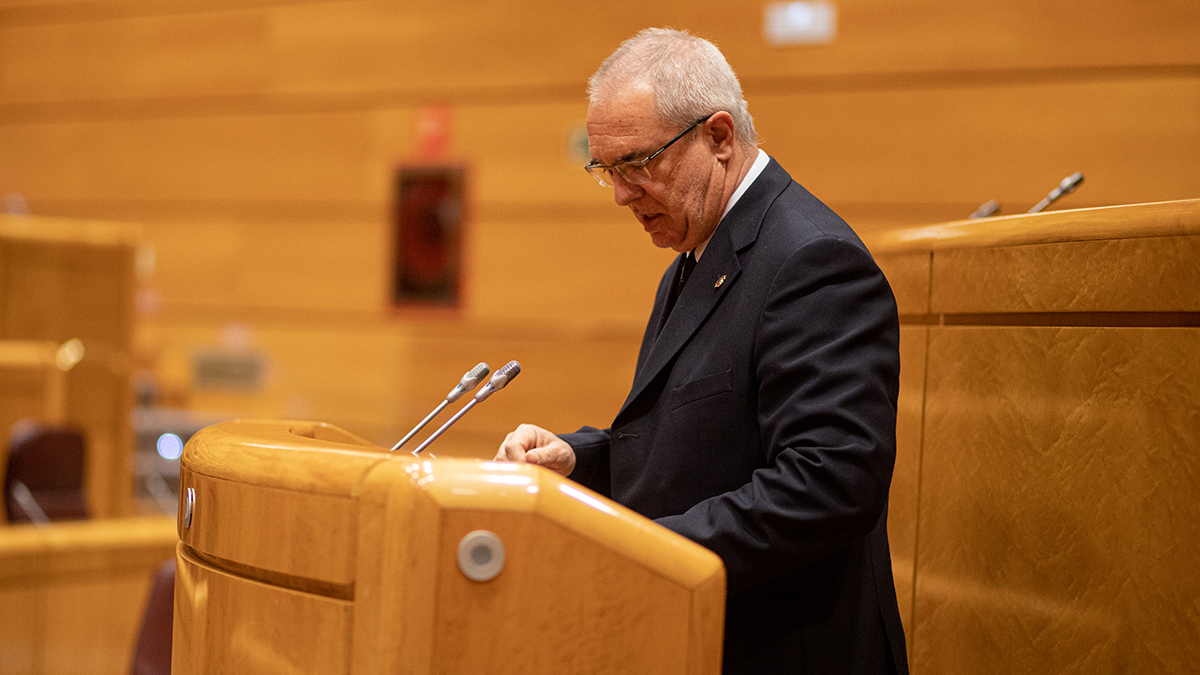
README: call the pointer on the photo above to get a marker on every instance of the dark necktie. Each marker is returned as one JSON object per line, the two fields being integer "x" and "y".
{"x": 685, "y": 271}
{"x": 689, "y": 264}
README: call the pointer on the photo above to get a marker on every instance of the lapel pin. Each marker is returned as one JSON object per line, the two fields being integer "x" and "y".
{"x": 719, "y": 281}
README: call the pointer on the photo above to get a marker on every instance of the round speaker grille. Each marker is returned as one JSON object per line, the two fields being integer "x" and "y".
{"x": 481, "y": 555}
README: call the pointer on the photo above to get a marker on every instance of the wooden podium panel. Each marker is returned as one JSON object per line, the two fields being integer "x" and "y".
{"x": 1042, "y": 512}
{"x": 231, "y": 624}
{"x": 1058, "y": 524}
{"x": 310, "y": 549}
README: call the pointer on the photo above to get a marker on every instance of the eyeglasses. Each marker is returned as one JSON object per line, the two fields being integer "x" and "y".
{"x": 636, "y": 172}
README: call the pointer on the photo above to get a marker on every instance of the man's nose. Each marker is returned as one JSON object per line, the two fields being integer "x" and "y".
{"x": 624, "y": 191}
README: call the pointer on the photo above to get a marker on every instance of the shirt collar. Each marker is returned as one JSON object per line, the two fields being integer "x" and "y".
{"x": 760, "y": 163}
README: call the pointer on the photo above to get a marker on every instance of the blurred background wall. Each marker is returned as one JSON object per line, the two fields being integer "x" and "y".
{"x": 199, "y": 208}
{"x": 256, "y": 144}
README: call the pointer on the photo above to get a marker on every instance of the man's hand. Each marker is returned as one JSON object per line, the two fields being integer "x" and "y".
{"x": 535, "y": 445}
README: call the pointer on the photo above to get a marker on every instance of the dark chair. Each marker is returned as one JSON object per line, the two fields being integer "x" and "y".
{"x": 152, "y": 655}
{"x": 44, "y": 476}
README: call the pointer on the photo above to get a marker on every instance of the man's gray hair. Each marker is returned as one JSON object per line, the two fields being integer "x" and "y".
{"x": 689, "y": 76}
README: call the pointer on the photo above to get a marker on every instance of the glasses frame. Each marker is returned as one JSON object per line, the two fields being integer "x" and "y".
{"x": 598, "y": 171}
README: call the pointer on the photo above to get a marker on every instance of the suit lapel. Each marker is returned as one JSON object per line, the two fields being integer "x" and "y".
{"x": 658, "y": 315}
{"x": 703, "y": 293}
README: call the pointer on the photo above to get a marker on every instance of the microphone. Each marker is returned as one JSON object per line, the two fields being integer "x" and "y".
{"x": 499, "y": 381}
{"x": 1066, "y": 187}
{"x": 468, "y": 382}
{"x": 987, "y": 209}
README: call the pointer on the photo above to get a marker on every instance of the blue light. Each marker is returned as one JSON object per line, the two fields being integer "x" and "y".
{"x": 170, "y": 446}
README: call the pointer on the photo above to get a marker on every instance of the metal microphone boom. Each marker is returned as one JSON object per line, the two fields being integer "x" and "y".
{"x": 498, "y": 382}
{"x": 468, "y": 382}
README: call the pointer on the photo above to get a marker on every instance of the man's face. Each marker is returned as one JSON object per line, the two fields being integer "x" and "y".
{"x": 680, "y": 206}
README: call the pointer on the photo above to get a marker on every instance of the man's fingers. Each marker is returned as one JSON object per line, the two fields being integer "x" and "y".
{"x": 535, "y": 445}
{"x": 557, "y": 457}
{"x": 512, "y": 449}
{"x": 546, "y": 457}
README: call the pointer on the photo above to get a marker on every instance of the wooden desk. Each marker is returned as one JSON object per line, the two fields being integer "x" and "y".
{"x": 60, "y": 280}
{"x": 1043, "y": 512}
{"x": 73, "y": 593}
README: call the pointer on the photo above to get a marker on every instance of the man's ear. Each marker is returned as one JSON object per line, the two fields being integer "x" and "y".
{"x": 720, "y": 133}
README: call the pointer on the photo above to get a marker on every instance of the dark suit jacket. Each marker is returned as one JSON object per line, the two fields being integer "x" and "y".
{"x": 761, "y": 424}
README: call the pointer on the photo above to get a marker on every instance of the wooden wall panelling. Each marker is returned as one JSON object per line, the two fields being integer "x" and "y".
{"x": 517, "y": 151}
{"x": 196, "y": 165}
{"x": 941, "y": 36}
{"x": 567, "y": 380}
{"x": 1011, "y": 142}
{"x": 339, "y": 158}
{"x": 379, "y": 378}
{"x": 90, "y": 59}
{"x": 304, "y": 268}
{"x": 323, "y": 261}
{"x": 417, "y": 48}
{"x": 352, "y": 372}
{"x": 541, "y": 268}
{"x": 897, "y": 150}
{"x": 112, "y": 50}
{"x": 601, "y": 274}
{"x": 1056, "y": 526}
{"x": 297, "y": 156}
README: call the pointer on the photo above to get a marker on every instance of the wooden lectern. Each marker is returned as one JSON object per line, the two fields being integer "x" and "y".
{"x": 305, "y": 549}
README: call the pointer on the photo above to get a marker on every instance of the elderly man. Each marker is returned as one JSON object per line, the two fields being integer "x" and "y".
{"x": 761, "y": 421}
